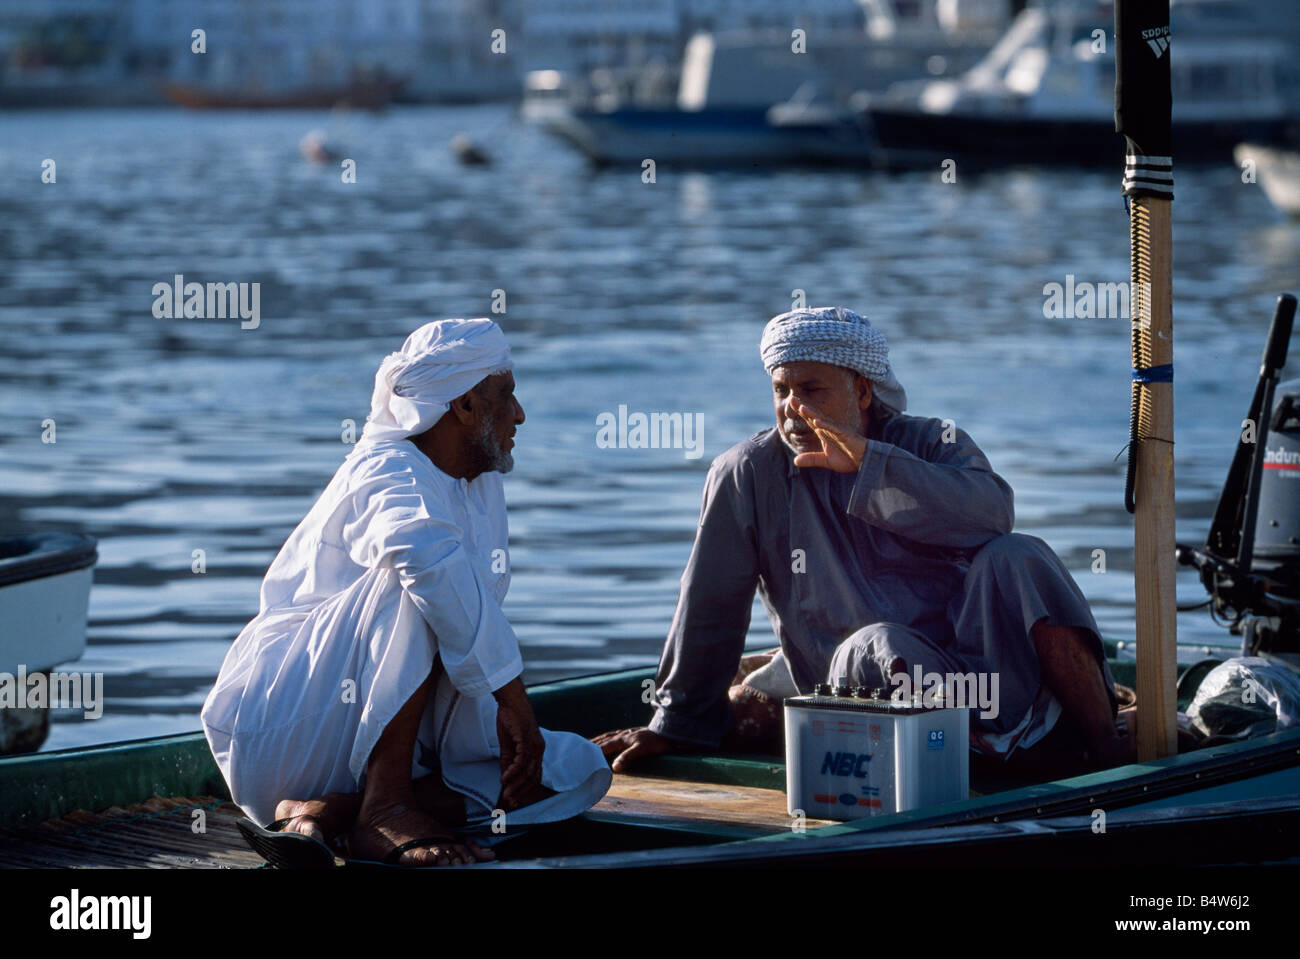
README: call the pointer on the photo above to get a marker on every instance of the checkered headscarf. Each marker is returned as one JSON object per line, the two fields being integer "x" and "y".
{"x": 832, "y": 334}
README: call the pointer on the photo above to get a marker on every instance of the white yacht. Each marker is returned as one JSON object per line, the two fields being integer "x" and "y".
{"x": 1046, "y": 91}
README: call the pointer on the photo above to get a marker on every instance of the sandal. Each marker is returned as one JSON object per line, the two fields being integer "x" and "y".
{"x": 392, "y": 860}
{"x": 287, "y": 850}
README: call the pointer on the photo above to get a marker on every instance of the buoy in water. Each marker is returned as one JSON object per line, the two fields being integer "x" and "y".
{"x": 468, "y": 152}
{"x": 316, "y": 148}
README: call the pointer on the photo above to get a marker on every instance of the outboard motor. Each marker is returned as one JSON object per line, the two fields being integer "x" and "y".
{"x": 1250, "y": 563}
{"x": 1277, "y": 531}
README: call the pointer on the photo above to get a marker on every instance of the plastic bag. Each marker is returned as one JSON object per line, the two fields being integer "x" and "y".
{"x": 1245, "y": 697}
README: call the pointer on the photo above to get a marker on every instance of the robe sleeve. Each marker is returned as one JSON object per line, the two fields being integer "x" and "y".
{"x": 708, "y": 631}
{"x": 404, "y": 529}
{"x": 943, "y": 494}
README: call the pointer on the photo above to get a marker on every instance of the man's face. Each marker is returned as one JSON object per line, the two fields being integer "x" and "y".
{"x": 500, "y": 416}
{"x": 840, "y": 394}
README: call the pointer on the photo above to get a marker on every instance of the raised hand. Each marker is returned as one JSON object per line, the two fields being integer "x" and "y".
{"x": 842, "y": 448}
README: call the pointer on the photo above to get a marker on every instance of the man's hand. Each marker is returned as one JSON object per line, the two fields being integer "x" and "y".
{"x": 631, "y": 744}
{"x": 521, "y": 742}
{"x": 842, "y": 448}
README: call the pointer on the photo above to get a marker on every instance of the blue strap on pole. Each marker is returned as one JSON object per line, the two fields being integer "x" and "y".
{"x": 1154, "y": 374}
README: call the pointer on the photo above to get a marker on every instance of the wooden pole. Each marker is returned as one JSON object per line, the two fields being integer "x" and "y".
{"x": 1143, "y": 114}
{"x": 1153, "y": 518}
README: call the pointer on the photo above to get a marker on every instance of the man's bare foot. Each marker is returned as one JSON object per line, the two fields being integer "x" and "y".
{"x": 757, "y": 723}
{"x": 326, "y": 818}
{"x": 439, "y": 800}
{"x": 385, "y": 825}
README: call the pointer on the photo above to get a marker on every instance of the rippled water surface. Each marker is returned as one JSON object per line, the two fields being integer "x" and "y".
{"x": 176, "y": 435}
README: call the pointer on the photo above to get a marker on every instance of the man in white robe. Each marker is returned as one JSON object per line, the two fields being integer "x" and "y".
{"x": 380, "y": 677}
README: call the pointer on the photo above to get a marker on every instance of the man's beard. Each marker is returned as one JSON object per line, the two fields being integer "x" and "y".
{"x": 490, "y": 447}
{"x": 789, "y": 426}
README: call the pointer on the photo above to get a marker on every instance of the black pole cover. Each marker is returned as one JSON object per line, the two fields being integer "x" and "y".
{"x": 1143, "y": 101}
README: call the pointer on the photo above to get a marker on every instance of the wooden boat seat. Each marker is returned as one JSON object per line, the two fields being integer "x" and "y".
{"x": 715, "y": 808}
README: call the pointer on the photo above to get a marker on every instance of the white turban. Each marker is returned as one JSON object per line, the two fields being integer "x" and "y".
{"x": 438, "y": 362}
{"x": 832, "y": 334}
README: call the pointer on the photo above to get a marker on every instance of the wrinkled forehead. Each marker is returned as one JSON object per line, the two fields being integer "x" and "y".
{"x": 500, "y": 384}
{"x": 811, "y": 373}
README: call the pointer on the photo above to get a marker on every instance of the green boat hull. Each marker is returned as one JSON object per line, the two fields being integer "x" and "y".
{"x": 41, "y": 786}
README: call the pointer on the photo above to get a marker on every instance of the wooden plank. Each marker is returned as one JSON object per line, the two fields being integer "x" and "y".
{"x": 23, "y": 854}
{"x": 101, "y": 848}
{"x": 157, "y": 834}
{"x": 154, "y": 834}
{"x": 1153, "y": 519}
{"x": 170, "y": 840}
{"x": 672, "y": 801}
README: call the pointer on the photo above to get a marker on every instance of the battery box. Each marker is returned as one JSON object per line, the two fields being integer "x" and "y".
{"x": 847, "y": 757}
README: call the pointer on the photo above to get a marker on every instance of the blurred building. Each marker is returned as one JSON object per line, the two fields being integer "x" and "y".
{"x": 441, "y": 47}
{"x": 52, "y": 50}
{"x": 582, "y": 35}
{"x": 579, "y": 36}
{"x": 124, "y": 51}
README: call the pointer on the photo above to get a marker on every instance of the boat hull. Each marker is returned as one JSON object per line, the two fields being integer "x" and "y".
{"x": 369, "y": 95}
{"x": 907, "y": 135}
{"x": 1264, "y": 831}
{"x": 712, "y": 137}
{"x": 44, "y": 596}
{"x": 44, "y": 621}
{"x": 44, "y": 600}
{"x": 1138, "y": 799}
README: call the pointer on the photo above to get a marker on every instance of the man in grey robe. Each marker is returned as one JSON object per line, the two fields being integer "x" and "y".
{"x": 878, "y": 542}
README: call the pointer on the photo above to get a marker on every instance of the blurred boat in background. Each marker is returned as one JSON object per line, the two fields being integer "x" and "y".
{"x": 44, "y": 598}
{"x": 1045, "y": 92}
{"x": 763, "y": 97}
{"x": 1277, "y": 171}
{"x": 372, "y": 92}
{"x": 742, "y": 136}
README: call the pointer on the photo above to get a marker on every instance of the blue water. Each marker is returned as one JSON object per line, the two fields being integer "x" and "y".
{"x": 176, "y": 435}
